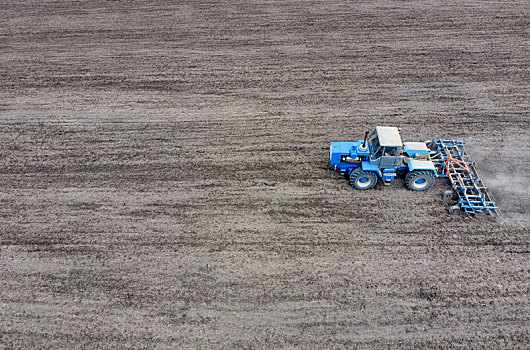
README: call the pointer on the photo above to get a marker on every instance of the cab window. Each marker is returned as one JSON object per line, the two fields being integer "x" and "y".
{"x": 378, "y": 153}
{"x": 390, "y": 151}
{"x": 373, "y": 143}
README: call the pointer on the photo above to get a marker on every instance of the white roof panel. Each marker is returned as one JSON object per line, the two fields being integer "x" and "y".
{"x": 388, "y": 136}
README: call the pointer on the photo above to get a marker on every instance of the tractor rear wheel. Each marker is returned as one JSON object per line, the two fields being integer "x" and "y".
{"x": 363, "y": 180}
{"x": 419, "y": 180}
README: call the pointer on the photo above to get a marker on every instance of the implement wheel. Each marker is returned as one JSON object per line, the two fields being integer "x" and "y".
{"x": 448, "y": 194}
{"x": 419, "y": 180}
{"x": 363, "y": 180}
{"x": 455, "y": 209}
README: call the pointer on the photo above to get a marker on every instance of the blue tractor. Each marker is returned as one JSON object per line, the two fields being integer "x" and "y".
{"x": 382, "y": 155}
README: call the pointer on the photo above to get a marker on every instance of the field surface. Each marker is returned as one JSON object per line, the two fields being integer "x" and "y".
{"x": 165, "y": 184}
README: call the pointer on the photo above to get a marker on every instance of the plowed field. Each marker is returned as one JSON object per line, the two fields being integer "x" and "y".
{"x": 165, "y": 184}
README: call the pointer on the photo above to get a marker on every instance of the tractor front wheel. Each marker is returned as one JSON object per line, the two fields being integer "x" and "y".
{"x": 363, "y": 180}
{"x": 419, "y": 180}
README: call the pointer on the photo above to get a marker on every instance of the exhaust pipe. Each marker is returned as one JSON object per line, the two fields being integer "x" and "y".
{"x": 363, "y": 146}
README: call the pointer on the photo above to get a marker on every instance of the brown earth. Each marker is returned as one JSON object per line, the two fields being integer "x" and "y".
{"x": 165, "y": 178}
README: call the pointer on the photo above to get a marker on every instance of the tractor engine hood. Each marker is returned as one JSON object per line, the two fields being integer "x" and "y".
{"x": 352, "y": 150}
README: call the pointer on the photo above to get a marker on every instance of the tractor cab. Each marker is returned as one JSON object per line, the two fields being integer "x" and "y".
{"x": 385, "y": 147}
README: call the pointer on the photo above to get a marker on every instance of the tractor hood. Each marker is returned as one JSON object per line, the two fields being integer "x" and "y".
{"x": 340, "y": 150}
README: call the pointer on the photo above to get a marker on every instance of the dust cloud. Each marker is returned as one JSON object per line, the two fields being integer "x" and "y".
{"x": 504, "y": 169}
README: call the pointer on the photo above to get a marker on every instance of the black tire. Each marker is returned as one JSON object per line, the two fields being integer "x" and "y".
{"x": 363, "y": 180}
{"x": 448, "y": 195}
{"x": 455, "y": 209}
{"x": 419, "y": 180}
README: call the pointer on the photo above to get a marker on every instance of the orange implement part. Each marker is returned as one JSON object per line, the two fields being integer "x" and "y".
{"x": 457, "y": 161}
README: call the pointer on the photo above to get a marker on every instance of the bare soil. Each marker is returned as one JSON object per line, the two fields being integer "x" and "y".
{"x": 165, "y": 184}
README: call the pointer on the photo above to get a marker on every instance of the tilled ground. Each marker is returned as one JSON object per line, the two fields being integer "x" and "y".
{"x": 165, "y": 178}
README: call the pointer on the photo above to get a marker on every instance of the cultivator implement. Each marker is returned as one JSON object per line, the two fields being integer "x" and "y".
{"x": 452, "y": 161}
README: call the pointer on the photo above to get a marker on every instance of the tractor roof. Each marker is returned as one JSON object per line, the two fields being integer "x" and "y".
{"x": 388, "y": 136}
